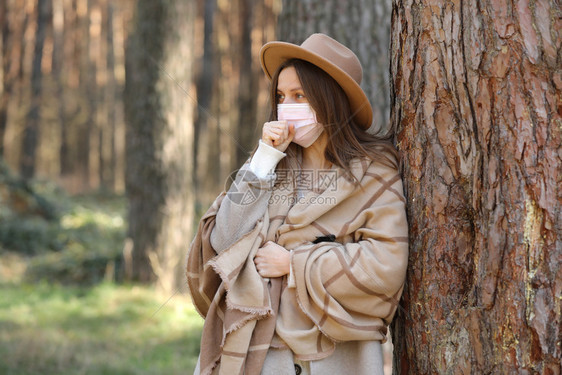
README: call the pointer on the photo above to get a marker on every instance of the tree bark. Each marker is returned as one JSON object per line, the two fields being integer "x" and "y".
{"x": 363, "y": 26}
{"x": 30, "y": 139}
{"x": 159, "y": 139}
{"x": 476, "y": 101}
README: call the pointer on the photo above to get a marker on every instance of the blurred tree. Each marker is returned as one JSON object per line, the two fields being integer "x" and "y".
{"x": 159, "y": 112}
{"x": 57, "y": 69}
{"x": 250, "y": 72}
{"x": 108, "y": 163}
{"x": 231, "y": 88}
{"x": 68, "y": 31}
{"x": 30, "y": 139}
{"x": 86, "y": 127}
{"x": 61, "y": 80}
{"x": 206, "y": 127}
{"x": 5, "y": 76}
{"x": 362, "y": 25}
{"x": 476, "y": 99}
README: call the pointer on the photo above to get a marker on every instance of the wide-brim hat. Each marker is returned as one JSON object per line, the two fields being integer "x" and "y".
{"x": 332, "y": 57}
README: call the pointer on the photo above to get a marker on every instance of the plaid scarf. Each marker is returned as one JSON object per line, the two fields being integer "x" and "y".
{"x": 349, "y": 259}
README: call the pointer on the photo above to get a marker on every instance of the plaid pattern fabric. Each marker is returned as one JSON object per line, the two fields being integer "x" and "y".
{"x": 345, "y": 290}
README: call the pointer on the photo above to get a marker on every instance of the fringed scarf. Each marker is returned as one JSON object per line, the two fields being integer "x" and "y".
{"x": 349, "y": 245}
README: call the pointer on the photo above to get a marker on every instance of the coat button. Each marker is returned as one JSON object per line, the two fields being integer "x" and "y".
{"x": 298, "y": 369}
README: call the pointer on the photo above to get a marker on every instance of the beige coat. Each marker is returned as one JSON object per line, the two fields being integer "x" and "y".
{"x": 354, "y": 357}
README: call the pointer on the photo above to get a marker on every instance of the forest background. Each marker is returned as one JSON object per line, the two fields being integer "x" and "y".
{"x": 121, "y": 121}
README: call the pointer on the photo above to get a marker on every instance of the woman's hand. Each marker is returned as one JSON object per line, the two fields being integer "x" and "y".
{"x": 272, "y": 260}
{"x": 278, "y": 134}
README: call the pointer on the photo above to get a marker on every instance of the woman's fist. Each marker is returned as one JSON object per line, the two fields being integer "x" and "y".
{"x": 278, "y": 134}
{"x": 272, "y": 260}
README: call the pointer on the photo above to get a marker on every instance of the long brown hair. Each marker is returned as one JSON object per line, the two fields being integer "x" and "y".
{"x": 346, "y": 139}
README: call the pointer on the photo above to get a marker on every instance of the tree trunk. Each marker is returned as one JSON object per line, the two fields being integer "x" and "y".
{"x": 476, "y": 100}
{"x": 5, "y": 81}
{"x": 206, "y": 154}
{"x": 159, "y": 139}
{"x": 110, "y": 98}
{"x": 67, "y": 158}
{"x": 89, "y": 129}
{"x": 31, "y": 129}
{"x": 250, "y": 71}
{"x": 86, "y": 106}
{"x": 231, "y": 88}
{"x": 58, "y": 64}
{"x": 362, "y": 25}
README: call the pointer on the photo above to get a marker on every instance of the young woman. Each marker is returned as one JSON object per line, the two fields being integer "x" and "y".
{"x": 300, "y": 266}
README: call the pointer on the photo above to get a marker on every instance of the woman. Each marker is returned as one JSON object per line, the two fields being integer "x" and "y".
{"x": 300, "y": 266}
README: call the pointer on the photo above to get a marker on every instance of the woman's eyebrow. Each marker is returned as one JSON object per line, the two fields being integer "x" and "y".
{"x": 292, "y": 90}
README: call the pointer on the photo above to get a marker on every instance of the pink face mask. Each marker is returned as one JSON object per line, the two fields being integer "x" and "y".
{"x": 303, "y": 117}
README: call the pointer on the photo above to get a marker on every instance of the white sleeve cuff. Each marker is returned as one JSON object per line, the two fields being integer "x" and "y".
{"x": 265, "y": 160}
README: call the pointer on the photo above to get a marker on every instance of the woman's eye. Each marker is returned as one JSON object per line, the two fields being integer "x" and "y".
{"x": 300, "y": 96}
{"x": 280, "y": 98}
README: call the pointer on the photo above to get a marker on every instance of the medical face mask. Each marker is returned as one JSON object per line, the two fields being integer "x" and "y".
{"x": 303, "y": 117}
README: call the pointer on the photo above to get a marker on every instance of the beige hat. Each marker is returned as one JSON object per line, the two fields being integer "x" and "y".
{"x": 332, "y": 57}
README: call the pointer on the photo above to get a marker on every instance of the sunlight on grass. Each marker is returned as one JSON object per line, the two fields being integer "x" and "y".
{"x": 56, "y": 317}
{"x": 82, "y": 215}
{"x": 108, "y": 329}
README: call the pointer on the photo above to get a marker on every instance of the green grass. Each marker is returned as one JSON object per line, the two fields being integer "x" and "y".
{"x": 61, "y": 310}
{"x": 82, "y": 246}
{"x": 106, "y": 329}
